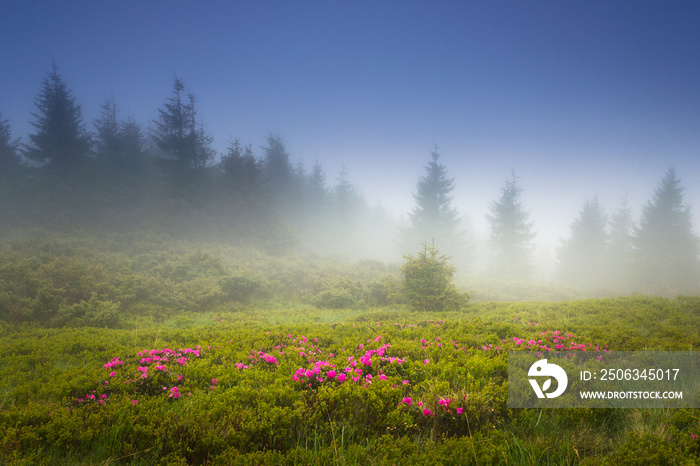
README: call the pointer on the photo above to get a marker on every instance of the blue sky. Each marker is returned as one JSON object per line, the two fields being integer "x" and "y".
{"x": 579, "y": 98}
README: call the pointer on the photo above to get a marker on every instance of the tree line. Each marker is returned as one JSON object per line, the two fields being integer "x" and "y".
{"x": 660, "y": 254}
{"x": 168, "y": 177}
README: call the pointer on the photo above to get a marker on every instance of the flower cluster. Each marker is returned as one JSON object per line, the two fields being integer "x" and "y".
{"x": 146, "y": 365}
{"x": 443, "y": 403}
{"x": 552, "y": 340}
{"x": 256, "y": 357}
{"x": 364, "y": 369}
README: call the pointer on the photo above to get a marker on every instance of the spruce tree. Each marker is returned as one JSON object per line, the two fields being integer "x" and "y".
{"x": 61, "y": 141}
{"x": 511, "y": 234}
{"x": 9, "y": 161}
{"x": 433, "y": 218}
{"x": 280, "y": 176}
{"x": 242, "y": 174}
{"x": 316, "y": 191}
{"x": 427, "y": 282}
{"x": 347, "y": 200}
{"x": 621, "y": 248}
{"x": 132, "y": 141}
{"x": 277, "y": 166}
{"x": 107, "y": 144}
{"x": 119, "y": 145}
{"x": 582, "y": 257}
{"x": 666, "y": 246}
{"x": 178, "y": 135}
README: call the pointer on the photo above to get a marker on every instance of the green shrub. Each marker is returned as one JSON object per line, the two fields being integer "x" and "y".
{"x": 427, "y": 284}
{"x": 244, "y": 287}
{"x": 91, "y": 313}
{"x": 339, "y": 293}
{"x": 651, "y": 449}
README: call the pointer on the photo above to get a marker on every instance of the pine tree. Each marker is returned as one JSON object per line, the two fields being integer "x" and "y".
{"x": 427, "y": 282}
{"x": 132, "y": 141}
{"x": 277, "y": 166}
{"x": 511, "y": 234}
{"x": 433, "y": 218}
{"x": 316, "y": 189}
{"x": 242, "y": 173}
{"x": 119, "y": 146}
{"x": 177, "y": 133}
{"x": 9, "y": 161}
{"x": 61, "y": 140}
{"x": 582, "y": 258}
{"x": 666, "y": 247}
{"x": 347, "y": 201}
{"x": 280, "y": 177}
{"x": 107, "y": 131}
{"x": 621, "y": 248}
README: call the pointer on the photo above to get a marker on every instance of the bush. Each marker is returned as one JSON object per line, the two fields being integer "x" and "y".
{"x": 651, "y": 449}
{"x": 427, "y": 284}
{"x": 242, "y": 288}
{"x": 339, "y": 293}
{"x": 90, "y": 313}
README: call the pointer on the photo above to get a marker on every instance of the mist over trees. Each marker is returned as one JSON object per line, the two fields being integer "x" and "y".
{"x": 666, "y": 247}
{"x": 511, "y": 234}
{"x": 9, "y": 160}
{"x": 168, "y": 179}
{"x": 660, "y": 255}
{"x": 61, "y": 141}
{"x": 434, "y": 219}
{"x": 583, "y": 256}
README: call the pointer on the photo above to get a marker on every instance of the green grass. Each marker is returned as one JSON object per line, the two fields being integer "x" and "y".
{"x": 261, "y": 416}
{"x": 69, "y": 305}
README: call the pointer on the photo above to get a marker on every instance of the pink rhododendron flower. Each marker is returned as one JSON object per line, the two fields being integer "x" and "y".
{"x": 427, "y": 412}
{"x": 460, "y": 410}
{"x": 342, "y": 377}
{"x": 407, "y": 401}
{"x": 331, "y": 374}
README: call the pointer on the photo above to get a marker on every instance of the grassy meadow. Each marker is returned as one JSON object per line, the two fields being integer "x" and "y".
{"x": 145, "y": 350}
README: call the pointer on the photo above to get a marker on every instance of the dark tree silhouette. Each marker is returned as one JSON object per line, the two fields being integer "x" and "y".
{"x": 511, "y": 234}
{"x": 107, "y": 144}
{"x": 283, "y": 182}
{"x": 582, "y": 257}
{"x": 347, "y": 201}
{"x": 276, "y": 164}
{"x": 61, "y": 140}
{"x": 666, "y": 247}
{"x": 120, "y": 147}
{"x": 433, "y": 218}
{"x": 9, "y": 160}
{"x": 316, "y": 190}
{"x": 242, "y": 174}
{"x": 177, "y": 133}
{"x": 132, "y": 141}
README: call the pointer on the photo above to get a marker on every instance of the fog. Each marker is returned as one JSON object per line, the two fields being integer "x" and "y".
{"x": 503, "y": 232}
{"x": 307, "y": 129}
